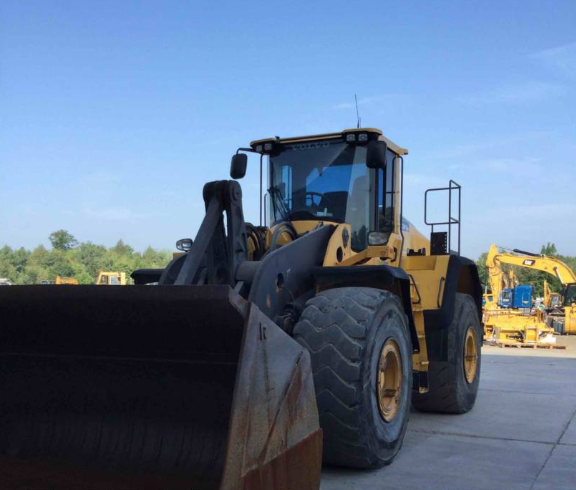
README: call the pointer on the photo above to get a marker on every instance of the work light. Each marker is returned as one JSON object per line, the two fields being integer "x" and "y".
{"x": 377, "y": 238}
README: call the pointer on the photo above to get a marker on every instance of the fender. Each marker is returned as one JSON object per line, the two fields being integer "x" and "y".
{"x": 461, "y": 277}
{"x": 386, "y": 277}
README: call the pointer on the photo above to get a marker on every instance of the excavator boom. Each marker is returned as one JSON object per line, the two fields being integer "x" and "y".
{"x": 542, "y": 263}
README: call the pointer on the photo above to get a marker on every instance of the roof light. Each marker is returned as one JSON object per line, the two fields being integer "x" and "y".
{"x": 268, "y": 147}
{"x": 363, "y": 137}
{"x": 350, "y": 137}
{"x": 259, "y": 148}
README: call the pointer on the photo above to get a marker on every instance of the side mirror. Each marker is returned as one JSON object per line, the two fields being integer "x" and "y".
{"x": 376, "y": 154}
{"x": 238, "y": 165}
{"x": 184, "y": 245}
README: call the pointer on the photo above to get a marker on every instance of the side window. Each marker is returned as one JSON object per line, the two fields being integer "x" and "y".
{"x": 357, "y": 206}
{"x": 386, "y": 183}
{"x": 287, "y": 180}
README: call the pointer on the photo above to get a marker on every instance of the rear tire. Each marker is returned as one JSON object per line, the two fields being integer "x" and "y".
{"x": 346, "y": 330}
{"x": 452, "y": 385}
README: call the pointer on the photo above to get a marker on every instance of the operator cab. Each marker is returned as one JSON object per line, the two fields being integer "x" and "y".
{"x": 341, "y": 177}
{"x": 569, "y": 295}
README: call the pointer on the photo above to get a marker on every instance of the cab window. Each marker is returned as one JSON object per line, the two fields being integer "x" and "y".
{"x": 386, "y": 182}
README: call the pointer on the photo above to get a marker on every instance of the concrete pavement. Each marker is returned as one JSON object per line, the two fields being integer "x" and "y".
{"x": 521, "y": 435}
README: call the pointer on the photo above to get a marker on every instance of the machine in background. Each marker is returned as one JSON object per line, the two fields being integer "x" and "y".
{"x": 111, "y": 278}
{"x": 510, "y": 317}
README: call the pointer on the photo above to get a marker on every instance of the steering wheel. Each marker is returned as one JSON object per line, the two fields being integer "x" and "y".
{"x": 319, "y": 194}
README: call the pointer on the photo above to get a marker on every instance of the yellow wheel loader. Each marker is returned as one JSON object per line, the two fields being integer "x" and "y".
{"x": 259, "y": 352}
{"x": 111, "y": 278}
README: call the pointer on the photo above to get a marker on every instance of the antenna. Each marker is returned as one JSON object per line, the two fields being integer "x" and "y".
{"x": 357, "y": 113}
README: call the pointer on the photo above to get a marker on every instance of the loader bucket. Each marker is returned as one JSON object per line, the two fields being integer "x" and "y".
{"x": 151, "y": 387}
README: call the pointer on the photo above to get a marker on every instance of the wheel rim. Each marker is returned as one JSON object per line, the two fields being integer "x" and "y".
{"x": 470, "y": 354}
{"x": 389, "y": 380}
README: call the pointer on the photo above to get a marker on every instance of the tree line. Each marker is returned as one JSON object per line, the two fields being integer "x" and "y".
{"x": 82, "y": 261}
{"x": 528, "y": 276}
{"x": 70, "y": 258}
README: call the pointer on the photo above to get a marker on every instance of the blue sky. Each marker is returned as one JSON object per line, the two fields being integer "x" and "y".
{"x": 113, "y": 114}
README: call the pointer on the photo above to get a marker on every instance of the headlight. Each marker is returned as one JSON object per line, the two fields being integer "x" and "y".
{"x": 377, "y": 238}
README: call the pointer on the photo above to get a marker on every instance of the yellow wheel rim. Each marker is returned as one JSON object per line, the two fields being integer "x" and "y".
{"x": 389, "y": 380}
{"x": 470, "y": 354}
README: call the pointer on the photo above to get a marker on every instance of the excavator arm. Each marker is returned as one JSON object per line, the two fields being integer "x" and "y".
{"x": 531, "y": 261}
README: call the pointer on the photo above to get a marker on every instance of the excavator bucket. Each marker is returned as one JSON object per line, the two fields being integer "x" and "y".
{"x": 151, "y": 387}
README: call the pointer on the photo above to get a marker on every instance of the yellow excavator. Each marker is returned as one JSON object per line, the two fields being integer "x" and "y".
{"x": 561, "y": 306}
{"x": 503, "y": 324}
{"x": 261, "y": 350}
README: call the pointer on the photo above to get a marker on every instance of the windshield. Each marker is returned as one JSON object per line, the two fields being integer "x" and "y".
{"x": 322, "y": 180}
{"x": 570, "y": 295}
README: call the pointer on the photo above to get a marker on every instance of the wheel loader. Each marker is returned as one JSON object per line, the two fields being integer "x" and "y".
{"x": 260, "y": 351}
{"x": 105, "y": 278}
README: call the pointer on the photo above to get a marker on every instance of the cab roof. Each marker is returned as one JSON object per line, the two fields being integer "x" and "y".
{"x": 294, "y": 139}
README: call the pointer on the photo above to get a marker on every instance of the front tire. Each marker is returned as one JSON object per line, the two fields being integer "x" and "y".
{"x": 361, "y": 352}
{"x": 453, "y": 383}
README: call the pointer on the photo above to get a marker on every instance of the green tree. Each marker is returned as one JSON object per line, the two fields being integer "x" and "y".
{"x": 7, "y": 269}
{"x": 13, "y": 263}
{"x": 79, "y": 260}
{"x": 62, "y": 240}
{"x": 34, "y": 274}
{"x": 155, "y": 258}
{"x": 549, "y": 249}
{"x": 92, "y": 257}
{"x": 60, "y": 264}
{"x": 38, "y": 256}
{"x": 483, "y": 270}
{"x": 122, "y": 249}
{"x": 20, "y": 259}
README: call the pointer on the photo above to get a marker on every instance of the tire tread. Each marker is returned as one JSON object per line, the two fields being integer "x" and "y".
{"x": 443, "y": 395}
{"x": 334, "y": 327}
